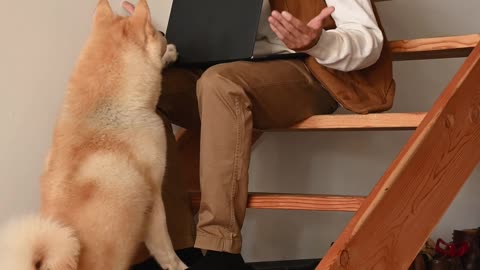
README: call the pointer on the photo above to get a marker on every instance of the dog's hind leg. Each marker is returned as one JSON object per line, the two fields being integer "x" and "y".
{"x": 111, "y": 223}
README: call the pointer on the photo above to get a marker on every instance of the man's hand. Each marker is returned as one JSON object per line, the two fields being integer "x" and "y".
{"x": 294, "y": 33}
{"x": 129, "y": 7}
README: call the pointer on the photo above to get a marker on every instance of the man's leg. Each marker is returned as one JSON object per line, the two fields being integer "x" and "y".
{"x": 178, "y": 104}
{"x": 233, "y": 99}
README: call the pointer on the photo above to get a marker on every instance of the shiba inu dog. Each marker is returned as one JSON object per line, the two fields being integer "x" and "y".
{"x": 101, "y": 186}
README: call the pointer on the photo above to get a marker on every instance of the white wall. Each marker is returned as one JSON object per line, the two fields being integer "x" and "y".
{"x": 39, "y": 44}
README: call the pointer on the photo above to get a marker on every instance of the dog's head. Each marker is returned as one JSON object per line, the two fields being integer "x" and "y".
{"x": 122, "y": 55}
{"x": 134, "y": 35}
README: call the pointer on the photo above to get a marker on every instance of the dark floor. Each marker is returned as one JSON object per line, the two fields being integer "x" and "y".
{"x": 277, "y": 265}
{"x": 286, "y": 265}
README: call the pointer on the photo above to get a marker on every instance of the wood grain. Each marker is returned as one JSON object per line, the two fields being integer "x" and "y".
{"x": 409, "y": 200}
{"x": 434, "y": 48}
{"x": 297, "y": 202}
{"x": 382, "y": 121}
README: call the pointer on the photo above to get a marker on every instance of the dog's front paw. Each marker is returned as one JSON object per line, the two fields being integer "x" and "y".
{"x": 170, "y": 55}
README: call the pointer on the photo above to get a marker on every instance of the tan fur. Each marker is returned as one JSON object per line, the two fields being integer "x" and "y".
{"x": 104, "y": 172}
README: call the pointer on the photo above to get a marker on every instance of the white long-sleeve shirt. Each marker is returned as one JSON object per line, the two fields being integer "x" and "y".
{"x": 356, "y": 42}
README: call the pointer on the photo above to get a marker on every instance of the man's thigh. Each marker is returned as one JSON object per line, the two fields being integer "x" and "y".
{"x": 178, "y": 101}
{"x": 282, "y": 92}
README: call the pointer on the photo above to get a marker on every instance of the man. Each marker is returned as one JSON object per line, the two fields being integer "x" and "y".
{"x": 228, "y": 100}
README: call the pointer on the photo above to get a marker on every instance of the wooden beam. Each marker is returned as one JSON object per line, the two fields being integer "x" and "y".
{"x": 434, "y": 48}
{"x": 397, "y": 217}
{"x": 296, "y": 202}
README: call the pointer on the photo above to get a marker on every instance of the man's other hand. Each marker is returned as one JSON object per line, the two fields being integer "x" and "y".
{"x": 296, "y": 34}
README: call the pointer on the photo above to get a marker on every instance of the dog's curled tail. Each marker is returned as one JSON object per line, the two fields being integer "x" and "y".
{"x": 35, "y": 242}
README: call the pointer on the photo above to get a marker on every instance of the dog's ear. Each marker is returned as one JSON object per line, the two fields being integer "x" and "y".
{"x": 141, "y": 17}
{"x": 103, "y": 11}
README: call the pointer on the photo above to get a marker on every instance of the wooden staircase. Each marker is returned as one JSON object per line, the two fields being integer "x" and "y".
{"x": 394, "y": 220}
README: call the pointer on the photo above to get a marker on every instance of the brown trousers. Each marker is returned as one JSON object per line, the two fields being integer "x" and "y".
{"x": 227, "y": 102}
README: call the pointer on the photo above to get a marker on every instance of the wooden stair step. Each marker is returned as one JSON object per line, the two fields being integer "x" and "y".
{"x": 279, "y": 201}
{"x": 374, "y": 121}
{"x": 434, "y": 48}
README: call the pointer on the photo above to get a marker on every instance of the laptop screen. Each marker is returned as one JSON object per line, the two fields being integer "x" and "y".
{"x": 211, "y": 31}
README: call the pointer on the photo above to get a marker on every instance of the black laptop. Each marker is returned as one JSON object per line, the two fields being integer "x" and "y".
{"x": 208, "y": 32}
